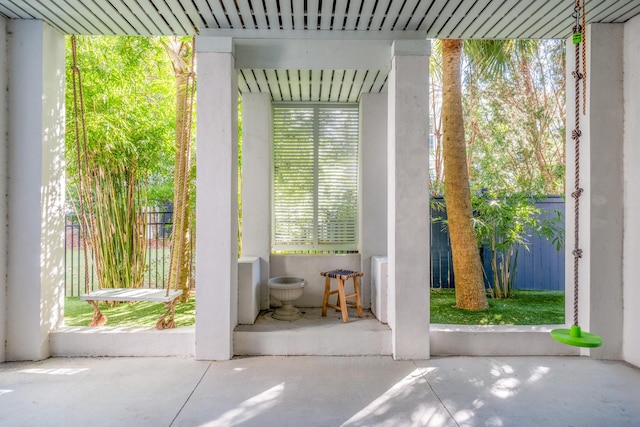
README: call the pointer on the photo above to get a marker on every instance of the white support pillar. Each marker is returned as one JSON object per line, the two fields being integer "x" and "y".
{"x": 601, "y": 204}
{"x": 256, "y": 184}
{"x": 4, "y": 214}
{"x": 373, "y": 179}
{"x": 408, "y": 195}
{"x": 631, "y": 266}
{"x": 36, "y": 120}
{"x": 217, "y": 200}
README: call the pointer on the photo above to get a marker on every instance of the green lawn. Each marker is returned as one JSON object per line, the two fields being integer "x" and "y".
{"x": 525, "y": 308}
{"x": 79, "y": 313}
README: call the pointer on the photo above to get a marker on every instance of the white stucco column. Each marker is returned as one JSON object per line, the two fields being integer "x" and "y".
{"x": 217, "y": 199}
{"x": 3, "y": 187}
{"x": 256, "y": 184}
{"x": 36, "y": 119}
{"x": 373, "y": 179}
{"x": 408, "y": 199}
{"x": 601, "y": 205}
{"x": 631, "y": 266}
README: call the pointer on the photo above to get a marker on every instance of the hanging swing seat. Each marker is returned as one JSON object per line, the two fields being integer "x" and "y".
{"x": 576, "y": 337}
{"x": 168, "y": 298}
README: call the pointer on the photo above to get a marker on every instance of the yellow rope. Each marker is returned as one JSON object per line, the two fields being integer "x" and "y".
{"x": 177, "y": 238}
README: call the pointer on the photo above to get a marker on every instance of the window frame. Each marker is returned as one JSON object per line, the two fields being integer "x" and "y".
{"x": 316, "y": 247}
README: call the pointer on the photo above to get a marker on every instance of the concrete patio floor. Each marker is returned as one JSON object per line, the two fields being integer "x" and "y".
{"x": 320, "y": 391}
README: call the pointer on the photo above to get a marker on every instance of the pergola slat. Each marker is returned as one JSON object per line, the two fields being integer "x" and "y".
{"x": 517, "y": 11}
{"x": 232, "y": 13}
{"x": 527, "y": 19}
{"x": 274, "y": 85}
{"x": 305, "y": 85}
{"x": 205, "y": 12}
{"x": 457, "y": 19}
{"x": 316, "y": 84}
{"x": 366, "y": 14}
{"x": 273, "y": 14}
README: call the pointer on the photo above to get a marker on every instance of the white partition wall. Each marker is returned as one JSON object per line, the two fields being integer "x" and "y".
{"x": 631, "y": 295}
{"x": 3, "y": 187}
{"x": 373, "y": 185}
{"x": 408, "y": 195}
{"x": 600, "y": 296}
{"x": 35, "y": 267}
{"x": 217, "y": 204}
{"x": 256, "y": 184}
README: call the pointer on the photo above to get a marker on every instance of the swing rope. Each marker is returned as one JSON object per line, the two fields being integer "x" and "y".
{"x": 575, "y": 336}
{"x": 86, "y": 218}
{"x": 575, "y": 135}
{"x": 177, "y": 237}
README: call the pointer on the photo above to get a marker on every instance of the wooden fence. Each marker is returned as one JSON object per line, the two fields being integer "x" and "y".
{"x": 539, "y": 268}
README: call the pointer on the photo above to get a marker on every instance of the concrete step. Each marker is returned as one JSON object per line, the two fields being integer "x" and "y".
{"x": 313, "y": 334}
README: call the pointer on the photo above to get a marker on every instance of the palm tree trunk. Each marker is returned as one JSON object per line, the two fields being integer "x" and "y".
{"x": 467, "y": 268}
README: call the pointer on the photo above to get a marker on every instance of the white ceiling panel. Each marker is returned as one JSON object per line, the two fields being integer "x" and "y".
{"x": 498, "y": 19}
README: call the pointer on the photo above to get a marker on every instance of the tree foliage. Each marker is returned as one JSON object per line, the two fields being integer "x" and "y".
{"x": 514, "y": 114}
{"x": 120, "y": 120}
{"x": 512, "y": 95}
{"x": 521, "y": 122}
{"x": 504, "y": 223}
{"x": 129, "y": 96}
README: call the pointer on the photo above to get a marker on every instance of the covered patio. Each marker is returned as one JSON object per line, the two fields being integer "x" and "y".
{"x": 320, "y": 391}
{"x": 370, "y": 53}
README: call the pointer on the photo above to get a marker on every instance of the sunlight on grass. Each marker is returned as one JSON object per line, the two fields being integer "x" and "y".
{"x": 524, "y": 308}
{"x": 79, "y": 313}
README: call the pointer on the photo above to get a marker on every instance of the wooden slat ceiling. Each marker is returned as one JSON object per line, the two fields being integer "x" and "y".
{"x": 467, "y": 19}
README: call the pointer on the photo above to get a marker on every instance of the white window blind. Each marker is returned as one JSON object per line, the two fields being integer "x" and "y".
{"x": 315, "y": 178}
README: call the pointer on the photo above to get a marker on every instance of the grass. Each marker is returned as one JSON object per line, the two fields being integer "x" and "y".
{"x": 79, "y": 313}
{"x": 524, "y": 308}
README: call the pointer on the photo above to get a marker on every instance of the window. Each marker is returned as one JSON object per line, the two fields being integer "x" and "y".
{"x": 315, "y": 178}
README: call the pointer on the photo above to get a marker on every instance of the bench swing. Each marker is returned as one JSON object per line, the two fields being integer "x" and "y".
{"x": 165, "y": 295}
{"x": 575, "y": 335}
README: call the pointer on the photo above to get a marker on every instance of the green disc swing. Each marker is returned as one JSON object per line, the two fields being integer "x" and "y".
{"x": 575, "y": 336}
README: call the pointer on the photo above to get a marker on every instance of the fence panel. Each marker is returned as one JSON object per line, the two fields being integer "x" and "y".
{"x": 159, "y": 228}
{"x": 539, "y": 268}
{"x": 542, "y": 266}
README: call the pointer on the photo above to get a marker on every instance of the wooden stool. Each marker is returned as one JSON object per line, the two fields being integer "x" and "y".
{"x": 341, "y": 276}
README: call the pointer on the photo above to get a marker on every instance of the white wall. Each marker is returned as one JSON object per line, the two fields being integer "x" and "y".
{"x": 631, "y": 346}
{"x": 408, "y": 227}
{"x": 373, "y": 184}
{"x": 309, "y": 268}
{"x": 35, "y": 271}
{"x": 3, "y": 188}
{"x": 256, "y": 184}
{"x": 217, "y": 205}
{"x": 601, "y": 205}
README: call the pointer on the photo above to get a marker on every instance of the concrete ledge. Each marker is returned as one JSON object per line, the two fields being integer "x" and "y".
{"x": 462, "y": 340}
{"x": 313, "y": 335}
{"x": 107, "y": 341}
{"x": 327, "y": 337}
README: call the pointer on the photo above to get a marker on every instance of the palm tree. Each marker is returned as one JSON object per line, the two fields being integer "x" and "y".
{"x": 467, "y": 268}
{"x": 486, "y": 57}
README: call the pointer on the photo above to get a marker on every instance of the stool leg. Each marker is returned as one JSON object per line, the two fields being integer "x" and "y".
{"x": 356, "y": 286}
{"x": 343, "y": 300}
{"x": 325, "y": 301}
